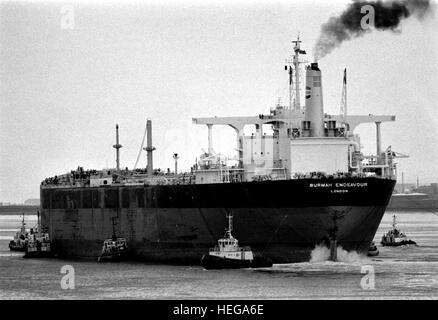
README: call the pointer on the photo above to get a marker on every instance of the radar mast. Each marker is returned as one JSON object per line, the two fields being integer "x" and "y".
{"x": 294, "y": 74}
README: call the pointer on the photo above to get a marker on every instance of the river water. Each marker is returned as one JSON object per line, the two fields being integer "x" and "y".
{"x": 409, "y": 272}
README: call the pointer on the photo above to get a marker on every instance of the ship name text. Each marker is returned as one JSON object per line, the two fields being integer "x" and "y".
{"x": 339, "y": 185}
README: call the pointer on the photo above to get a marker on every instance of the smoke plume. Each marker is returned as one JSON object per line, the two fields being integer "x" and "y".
{"x": 387, "y": 16}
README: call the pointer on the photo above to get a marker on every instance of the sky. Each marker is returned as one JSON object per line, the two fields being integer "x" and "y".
{"x": 64, "y": 85}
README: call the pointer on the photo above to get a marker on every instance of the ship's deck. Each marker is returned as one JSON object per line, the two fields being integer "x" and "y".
{"x": 87, "y": 178}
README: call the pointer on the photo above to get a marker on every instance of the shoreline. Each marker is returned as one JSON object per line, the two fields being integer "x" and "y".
{"x": 18, "y": 210}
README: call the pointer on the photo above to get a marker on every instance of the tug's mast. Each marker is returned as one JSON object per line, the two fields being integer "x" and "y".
{"x": 230, "y": 224}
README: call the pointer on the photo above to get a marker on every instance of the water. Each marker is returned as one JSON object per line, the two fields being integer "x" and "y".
{"x": 399, "y": 273}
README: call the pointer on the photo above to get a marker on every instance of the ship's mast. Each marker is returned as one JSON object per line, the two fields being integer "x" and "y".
{"x": 117, "y": 146}
{"x": 176, "y": 157}
{"x": 293, "y": 69}
{"x": 343, "y": 109}
{"x": 23, "y": 225}
{"x": 149, "y": 148}
{"x": 38, "y": 221}
{"x": 230, "y": 224}
{"x": 296, "y": 67}
{"x": 296, "y": 63}
{"x": 290, "y": 86}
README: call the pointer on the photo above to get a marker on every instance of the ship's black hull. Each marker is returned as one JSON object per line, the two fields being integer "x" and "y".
{"x": 398, "y": 244}
{"x": 16, "y": 247}
{"x": 113, "y": 257}
{"x": 210, "y": 262}
{"x": 283, "y": 220}
{"x": 38, "y": 254}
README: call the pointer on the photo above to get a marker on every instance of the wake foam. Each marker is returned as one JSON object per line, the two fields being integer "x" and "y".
{"x": 322, "y": 253}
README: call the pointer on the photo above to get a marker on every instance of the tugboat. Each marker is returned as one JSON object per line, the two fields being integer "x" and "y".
{"x": 19, "y": 242}
{"x": 113, "y": 249}
{"x": 228, "y": 255}
{"x": 394, "y": 237}
{"x": 373, "y": 251}
{"x": 38, "y": 243}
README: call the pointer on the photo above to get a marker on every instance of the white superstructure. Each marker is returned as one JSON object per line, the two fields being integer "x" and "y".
{"x": 305, "y": 140}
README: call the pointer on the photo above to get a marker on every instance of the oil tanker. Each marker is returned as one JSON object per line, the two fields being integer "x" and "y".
{"x": 301, "y": 185}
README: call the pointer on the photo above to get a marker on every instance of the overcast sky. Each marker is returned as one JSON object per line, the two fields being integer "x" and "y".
{"x": 63, "y": 90}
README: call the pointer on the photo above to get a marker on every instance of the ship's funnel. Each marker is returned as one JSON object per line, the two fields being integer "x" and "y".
{"x": 314, "y": 106}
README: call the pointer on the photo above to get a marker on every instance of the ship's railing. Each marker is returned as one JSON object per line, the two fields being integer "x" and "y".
{"x": 269, "y": 174}
{"x": 230, "y": 175}
{"x": 227, "y": 175}
{"x": 118, "y": 178}
{"x": 323, "y": 175}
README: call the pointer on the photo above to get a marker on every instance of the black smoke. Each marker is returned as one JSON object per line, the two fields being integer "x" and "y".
{"x": 387, "y": 16}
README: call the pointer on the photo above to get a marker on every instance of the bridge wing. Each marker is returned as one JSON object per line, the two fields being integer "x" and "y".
{"x": 354, "y": 120}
